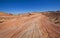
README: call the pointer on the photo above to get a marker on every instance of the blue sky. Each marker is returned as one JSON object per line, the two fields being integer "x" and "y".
{"x": 24, "y": 6}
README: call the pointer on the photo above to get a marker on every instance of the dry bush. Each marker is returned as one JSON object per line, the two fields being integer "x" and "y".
{"x": 3, "y": 19}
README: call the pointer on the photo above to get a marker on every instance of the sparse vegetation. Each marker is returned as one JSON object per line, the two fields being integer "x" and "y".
{"x": 53, "y": 16}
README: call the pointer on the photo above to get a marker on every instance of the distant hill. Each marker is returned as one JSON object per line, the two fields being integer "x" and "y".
{"x": 4, "y": 14}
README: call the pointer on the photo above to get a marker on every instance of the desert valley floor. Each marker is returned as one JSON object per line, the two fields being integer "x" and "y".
{"x": 34, "y": 25}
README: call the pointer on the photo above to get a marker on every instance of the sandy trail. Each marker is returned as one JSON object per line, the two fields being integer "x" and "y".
{"x": 34, "y": 26}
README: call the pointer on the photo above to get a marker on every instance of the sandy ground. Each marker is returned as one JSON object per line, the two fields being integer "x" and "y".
{"x": 34, "y": 25}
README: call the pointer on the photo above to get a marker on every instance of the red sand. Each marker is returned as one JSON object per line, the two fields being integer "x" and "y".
{"x": 35, "y": 25}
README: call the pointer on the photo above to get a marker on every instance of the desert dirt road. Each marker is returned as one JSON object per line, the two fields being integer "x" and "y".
{"x": 32, "y": 26}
